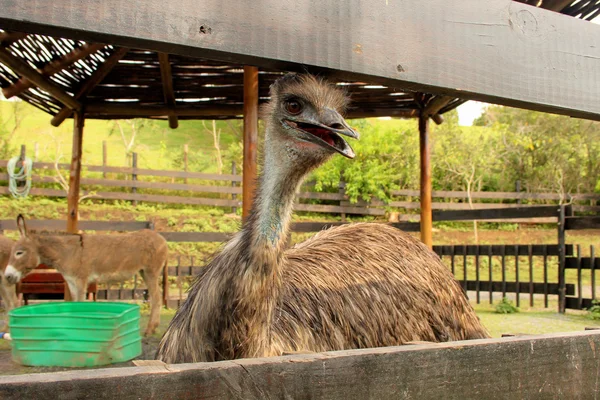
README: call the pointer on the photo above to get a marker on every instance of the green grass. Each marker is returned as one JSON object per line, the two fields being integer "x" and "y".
{"x": 533, "y": 321}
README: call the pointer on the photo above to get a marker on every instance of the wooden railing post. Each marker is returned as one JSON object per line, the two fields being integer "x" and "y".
{"x": 233, "y": 184}
{"x": 185, "y": 161}
{"x": 561, "y": 260}
{"x": 104, "y": 159}
{"x": 134, "y": 165}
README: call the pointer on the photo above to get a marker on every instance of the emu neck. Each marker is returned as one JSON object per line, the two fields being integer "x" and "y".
{"x": 268, "y": 224}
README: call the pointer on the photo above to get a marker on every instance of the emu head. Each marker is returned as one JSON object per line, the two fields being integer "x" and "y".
{"x": 304, "y": 120}
{"x": 24, "y": 256}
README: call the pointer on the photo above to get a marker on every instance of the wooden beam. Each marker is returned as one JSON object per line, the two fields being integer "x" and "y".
{"x": 518, "y": 367}
{"x": 22, "y": 68}
{"x": 75, "y": 174}
{"x": 433, "y": 107}
{"x": 497, "y": 51}
{"x": 426, "y": 213}
{"x": 232, "y": 111}
{"x": 97, "y": 76}
{"x": 52, "y": 68}
{"x": 167, "y": 82}
{"x": 250, "y": 138}
{"x": 8, "y": 38}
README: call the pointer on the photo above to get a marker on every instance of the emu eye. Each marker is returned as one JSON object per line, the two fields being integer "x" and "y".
{"x": 294, "y": 107}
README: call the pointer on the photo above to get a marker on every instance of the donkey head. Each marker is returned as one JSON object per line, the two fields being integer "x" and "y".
{"x": 24, "y": 256}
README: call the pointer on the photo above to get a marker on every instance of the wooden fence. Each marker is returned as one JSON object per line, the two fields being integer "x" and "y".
{"x": 484, "y": 271}
{"x": 560, "y": 365}
{"x": 223, "y": 190}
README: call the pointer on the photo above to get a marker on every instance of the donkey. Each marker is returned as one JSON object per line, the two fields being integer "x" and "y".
{"x": 82, "y": 259}
{"x": 7, "y": 290}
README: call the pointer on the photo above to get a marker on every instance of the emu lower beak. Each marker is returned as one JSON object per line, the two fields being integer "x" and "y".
{"x": 326, "y": 131}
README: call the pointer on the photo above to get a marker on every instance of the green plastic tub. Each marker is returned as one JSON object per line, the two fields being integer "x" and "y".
{"x": 75, "y": 334}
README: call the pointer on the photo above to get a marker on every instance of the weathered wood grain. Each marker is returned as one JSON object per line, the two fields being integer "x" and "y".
{"x": 498, "y": 51}
{"x": 531, "y": 367}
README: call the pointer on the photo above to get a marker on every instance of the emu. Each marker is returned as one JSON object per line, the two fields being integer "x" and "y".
{"x": 7, "y": 290}
{"x": 82, "y": 259}
{"x": 354, "y": 286}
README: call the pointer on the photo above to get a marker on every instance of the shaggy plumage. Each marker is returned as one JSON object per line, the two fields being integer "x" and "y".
{"x": 355, "y": 286}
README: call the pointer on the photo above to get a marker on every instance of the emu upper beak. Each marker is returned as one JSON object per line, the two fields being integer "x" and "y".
{"x": 326, "y": 130}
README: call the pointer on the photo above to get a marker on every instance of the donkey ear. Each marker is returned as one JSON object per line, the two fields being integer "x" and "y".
{"x": 22, "y": 226}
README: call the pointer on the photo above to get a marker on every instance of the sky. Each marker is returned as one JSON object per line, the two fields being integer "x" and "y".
{"x": 468, "y": 111}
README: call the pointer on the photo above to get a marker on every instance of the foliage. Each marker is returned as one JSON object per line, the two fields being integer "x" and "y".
{"x": 506, "y": 306}
{"x": 594, "y": 311}
{"x": 386, "y": 159}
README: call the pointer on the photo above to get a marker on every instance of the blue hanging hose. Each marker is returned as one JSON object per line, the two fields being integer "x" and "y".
{"x": 23, "y": 175}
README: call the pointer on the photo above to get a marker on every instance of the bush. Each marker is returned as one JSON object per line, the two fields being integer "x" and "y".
{"x": 594, "y": 310}
{"x": 506, "y": 307}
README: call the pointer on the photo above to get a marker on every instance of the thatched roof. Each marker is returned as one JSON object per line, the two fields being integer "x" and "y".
{"x": 124, "y": 83}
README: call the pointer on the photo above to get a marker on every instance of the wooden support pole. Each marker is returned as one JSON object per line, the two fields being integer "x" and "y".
{"x": 96, "y": 77}
{"x": 250, "y": 137}
{"x": 22, "y": 68}
{"x": 74, "y": 180}
{"x": 167, "y": 82}
{"x": 52, "y": 68}
{"x": 75, "y": 174}
{"x": 426, "y": 215}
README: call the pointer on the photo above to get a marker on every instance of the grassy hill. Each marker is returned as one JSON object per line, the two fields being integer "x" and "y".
{"x": 157, "y": 145}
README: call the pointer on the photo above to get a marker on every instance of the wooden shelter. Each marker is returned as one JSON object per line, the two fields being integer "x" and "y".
{"x": 109, "y": 61}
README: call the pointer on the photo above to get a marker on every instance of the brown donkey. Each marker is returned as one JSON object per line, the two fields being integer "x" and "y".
{"x": 7, "y": 290}
{"x": 82, "y": 259}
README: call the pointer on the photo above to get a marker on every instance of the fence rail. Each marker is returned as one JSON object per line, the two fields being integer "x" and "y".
{"x": 223, "y": 190}
{"x": 560, "y": 270}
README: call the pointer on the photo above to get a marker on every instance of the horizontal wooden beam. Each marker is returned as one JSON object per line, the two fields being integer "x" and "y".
{"x": 52, "y": 68}
{"x": 97, "y": 76}
{"x": 232, "y": 111}
{"x": 497, "y": 213}
{"x": 22, "y": 68}
{"x": 531, "y": 367}
{"x": 59, "y": 225}
{"x": 497, "y": 51}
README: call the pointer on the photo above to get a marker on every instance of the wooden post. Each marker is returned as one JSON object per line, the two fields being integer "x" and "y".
{"x": 250, "y": 137}
{"x": 426, "y": 217}
{"x": 185, "y": 161}
{"x": 134, "y": 175}
{"x": 342, "y": 191}
{"x": 562, "y": 287}
{"x": 233, "y": 184}
{"x": 74, "y": 179}
{"x": 104, "y": 159}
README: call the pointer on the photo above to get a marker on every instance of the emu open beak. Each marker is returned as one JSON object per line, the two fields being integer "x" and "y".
{"x": 326, "y": 131}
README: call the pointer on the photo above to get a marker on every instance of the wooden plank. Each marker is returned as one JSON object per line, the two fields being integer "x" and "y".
{"x": 574, "y": 223}
{"x": 195, "y": 236}
{"x": 530, "y": 367}
{"x": 496, "y": 213}
{"x": 498, "y": 195}
{"x": 140, "y": 171}
{"x": 23, "y": 69}
{"x": 511, "y": 287}
{"x": 526, "y": 50}
{"x": 586, "y": 263}
{"x": 338, "y": 209}
{"x": 59, "y": 225}
{"x": 501, "y": 250}
{"x": 574, "y": 303}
